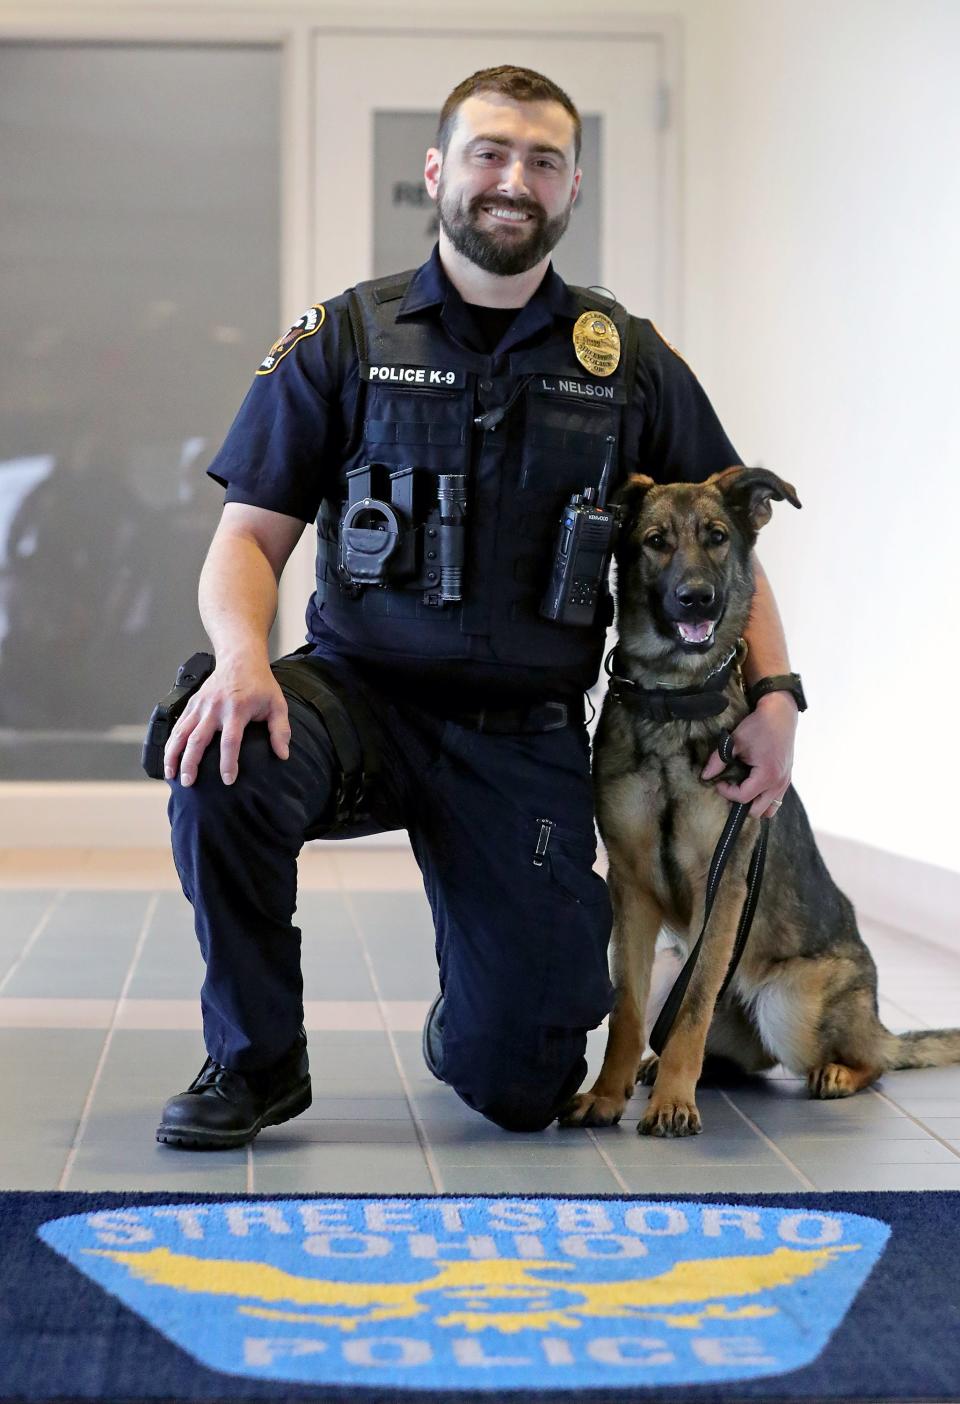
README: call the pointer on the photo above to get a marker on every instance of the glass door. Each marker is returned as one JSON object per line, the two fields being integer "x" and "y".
{"x": 139, "y": 277}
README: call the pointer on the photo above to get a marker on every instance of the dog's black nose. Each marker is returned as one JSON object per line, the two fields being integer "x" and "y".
{"x": 696, "y": 594}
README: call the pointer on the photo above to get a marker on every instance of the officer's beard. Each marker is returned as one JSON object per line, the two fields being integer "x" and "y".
{"x": 505, "y": 252}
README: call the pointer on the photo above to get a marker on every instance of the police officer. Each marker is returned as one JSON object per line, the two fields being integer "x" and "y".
{"x": 456, "y": 408}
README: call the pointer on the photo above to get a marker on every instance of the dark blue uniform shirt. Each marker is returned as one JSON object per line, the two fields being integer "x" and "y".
{"x": 285, "y": 448}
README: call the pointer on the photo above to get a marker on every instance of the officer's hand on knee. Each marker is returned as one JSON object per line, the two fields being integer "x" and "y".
{"x": 237, "y": 692}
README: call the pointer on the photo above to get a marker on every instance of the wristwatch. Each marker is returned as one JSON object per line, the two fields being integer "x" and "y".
{"x": 780, "y": 682}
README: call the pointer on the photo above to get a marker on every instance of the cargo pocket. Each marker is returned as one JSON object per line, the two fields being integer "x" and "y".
{"x": 573, "y": 927}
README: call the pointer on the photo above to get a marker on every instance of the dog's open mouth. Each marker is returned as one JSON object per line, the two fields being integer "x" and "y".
{"x": 697, "y": 633}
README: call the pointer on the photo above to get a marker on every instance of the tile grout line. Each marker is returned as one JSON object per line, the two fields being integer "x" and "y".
{"x": 101, "y": 1062}
{"x": 428, "y": 1155}
{"x": 781, "y": 1155}
{"x": 35, "y": 935}
{"x": 605, "y": 1157}
{"x": 134, "y": 1019}
{"x": 916, "y": 1121}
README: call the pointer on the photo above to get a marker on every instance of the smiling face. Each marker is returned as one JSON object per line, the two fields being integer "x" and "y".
{"x": 506, "y": 185}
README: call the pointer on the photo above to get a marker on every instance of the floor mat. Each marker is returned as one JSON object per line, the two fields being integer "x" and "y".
{"x": 761, "y": 1297}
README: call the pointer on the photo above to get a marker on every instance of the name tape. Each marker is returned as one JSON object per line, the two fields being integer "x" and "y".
{"x": 573, "y": 389}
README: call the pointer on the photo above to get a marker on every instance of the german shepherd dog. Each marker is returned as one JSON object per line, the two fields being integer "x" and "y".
{"x": 805, "y": 991}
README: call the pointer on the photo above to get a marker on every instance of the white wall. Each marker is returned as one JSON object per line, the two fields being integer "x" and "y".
{"x": 835, "y": 286}
{"x": 821, "y": 310}
{"x": 822, "y": 313}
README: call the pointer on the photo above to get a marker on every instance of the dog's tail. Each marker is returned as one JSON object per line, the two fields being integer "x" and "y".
{"x": 922, "y": 1048}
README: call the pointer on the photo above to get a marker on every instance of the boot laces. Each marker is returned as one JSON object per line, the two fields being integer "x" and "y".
{"x": 221, "y": 1079}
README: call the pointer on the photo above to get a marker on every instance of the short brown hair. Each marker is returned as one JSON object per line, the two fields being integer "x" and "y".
{"x": 520, "y": 84}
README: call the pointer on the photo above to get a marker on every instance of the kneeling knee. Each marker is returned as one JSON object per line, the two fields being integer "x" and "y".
{"x": 520, "y": 1115}
{"x": 518, "y": 1090}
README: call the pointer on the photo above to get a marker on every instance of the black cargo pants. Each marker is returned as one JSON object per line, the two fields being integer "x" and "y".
{"x": 502, "y": 829}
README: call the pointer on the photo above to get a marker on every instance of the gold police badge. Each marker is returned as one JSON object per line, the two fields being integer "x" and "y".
{"x": 597, "y": 343}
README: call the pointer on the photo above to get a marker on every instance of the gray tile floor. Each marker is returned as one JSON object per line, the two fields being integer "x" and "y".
{"x": 99, "y": 1023}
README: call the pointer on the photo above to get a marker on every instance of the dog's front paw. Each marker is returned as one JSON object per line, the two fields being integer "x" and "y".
{"x": 670, "y": 1116}
{"x": 592, "y": 1109}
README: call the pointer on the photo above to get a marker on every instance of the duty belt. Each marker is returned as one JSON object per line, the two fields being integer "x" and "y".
{"x": 514, "y": 721}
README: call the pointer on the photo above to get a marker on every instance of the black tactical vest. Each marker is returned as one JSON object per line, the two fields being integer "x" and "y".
{"x": 551, "y": 443}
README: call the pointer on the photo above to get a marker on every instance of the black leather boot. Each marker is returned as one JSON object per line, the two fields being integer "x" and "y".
{"x": 221, "y": 1109}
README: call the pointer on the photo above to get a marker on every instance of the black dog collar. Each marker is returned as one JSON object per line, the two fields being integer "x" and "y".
{"x": 663, "y": 704}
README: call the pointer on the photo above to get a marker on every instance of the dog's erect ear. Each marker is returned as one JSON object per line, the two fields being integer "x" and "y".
{"x": 747, "y": 491}
{"x": 630, "y": 497}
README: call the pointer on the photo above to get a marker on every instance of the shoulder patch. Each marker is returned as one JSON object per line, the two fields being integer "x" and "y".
{"x": 672, "y": 348}
{"x": 311, "y": 321}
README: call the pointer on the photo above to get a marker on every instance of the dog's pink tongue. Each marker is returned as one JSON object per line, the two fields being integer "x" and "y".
{"x": 696, "y": 633}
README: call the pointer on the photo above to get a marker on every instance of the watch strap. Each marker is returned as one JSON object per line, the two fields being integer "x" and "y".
{"x": 778, "y": 682}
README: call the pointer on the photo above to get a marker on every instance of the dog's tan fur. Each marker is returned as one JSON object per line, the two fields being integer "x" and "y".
{"x": 804, "y": 993}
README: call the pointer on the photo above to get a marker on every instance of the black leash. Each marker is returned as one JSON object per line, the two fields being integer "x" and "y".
{"x": 721, "y": 854}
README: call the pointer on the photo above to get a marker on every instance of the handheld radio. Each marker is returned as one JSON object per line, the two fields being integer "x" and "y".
{"x": 582, "y": 553}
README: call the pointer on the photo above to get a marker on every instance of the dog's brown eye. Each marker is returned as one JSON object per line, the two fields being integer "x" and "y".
{"x": 656, "y": 540}
{"x": 717, "y": 537}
